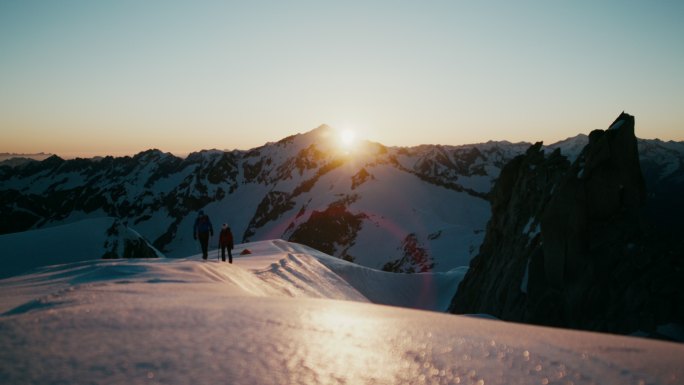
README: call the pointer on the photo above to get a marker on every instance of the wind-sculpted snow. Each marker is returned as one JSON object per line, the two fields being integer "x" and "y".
{"x": 269, "y": 318}
{"x": 304, "y": 276}
{"x": 426, "y": 291}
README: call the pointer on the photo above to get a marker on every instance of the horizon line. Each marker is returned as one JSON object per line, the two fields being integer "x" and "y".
{"x": 184, "y": 154}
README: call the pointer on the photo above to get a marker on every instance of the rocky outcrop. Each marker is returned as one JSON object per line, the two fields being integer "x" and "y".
{"x": 416, "y": 258}
{"x": 494, "y": 283}
{"x": 124, "y": 242}
{"x": 571, "y": 246}
{"x": 333, "y": 230}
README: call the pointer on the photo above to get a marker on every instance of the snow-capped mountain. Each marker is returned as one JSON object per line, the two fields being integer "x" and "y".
{"x": 14, "y": 159}
{"x": 414, "y": 209}
{"x": 284, "y": 314}
{"x": 405, "y": 209}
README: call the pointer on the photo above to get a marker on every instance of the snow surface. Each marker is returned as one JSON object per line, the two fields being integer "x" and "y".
{"x": 282, "y": 315}
{"x": 79, "y": 241}
{"x": 570, "y": 147}
{"x": 480, "y": 183}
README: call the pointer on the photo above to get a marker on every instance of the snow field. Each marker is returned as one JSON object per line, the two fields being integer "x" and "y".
{"x": 284, "y": 314}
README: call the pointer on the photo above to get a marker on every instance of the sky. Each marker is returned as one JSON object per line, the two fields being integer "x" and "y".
{"x": 86, "y": 78}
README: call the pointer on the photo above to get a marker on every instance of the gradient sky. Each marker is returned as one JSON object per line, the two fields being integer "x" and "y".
{"x": 118, "y": 77}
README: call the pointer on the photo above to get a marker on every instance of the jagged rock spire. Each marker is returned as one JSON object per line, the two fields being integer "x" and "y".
{"x": 593, "y": 265}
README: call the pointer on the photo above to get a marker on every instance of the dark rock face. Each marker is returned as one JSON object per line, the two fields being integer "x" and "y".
{"x": 493, "y": 283}
{"x": 332, "y": 230}
{"x": 588, "y": 223}
{"x": 416, "y": 258}
{"x": 595, "y": 263}
{"x": 122, "y": 242}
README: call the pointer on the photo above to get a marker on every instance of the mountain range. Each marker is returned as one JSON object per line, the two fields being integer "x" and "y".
{"x": 401, "y": 209}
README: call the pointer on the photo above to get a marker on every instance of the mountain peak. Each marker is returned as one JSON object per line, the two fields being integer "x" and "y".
{"x": 561, "y": 235}
{"x": 323, "y": 131}
{"x": 325, "y": 137}
{"x": 322, "y": 127}
{"x": 624, "y": 118}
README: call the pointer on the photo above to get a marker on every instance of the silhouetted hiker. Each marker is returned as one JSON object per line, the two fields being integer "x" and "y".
{"x": 226, "y": 242}
{"x": 203, "y": 230}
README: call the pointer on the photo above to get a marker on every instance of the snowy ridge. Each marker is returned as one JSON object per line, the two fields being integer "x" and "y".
{"x": 275, "y": 317}
{"x": 570, "y": 147}
{"x": 426, "y": 291}
{"x": 669, "y": 156}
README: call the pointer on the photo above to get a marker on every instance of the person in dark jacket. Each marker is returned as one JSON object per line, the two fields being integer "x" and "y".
{"x": 226, "y": 242}
{"x": 203, "y": 230}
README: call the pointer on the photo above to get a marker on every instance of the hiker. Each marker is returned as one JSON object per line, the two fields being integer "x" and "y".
{"x": 203, "y": 230}
{"x": 226, "y": 242}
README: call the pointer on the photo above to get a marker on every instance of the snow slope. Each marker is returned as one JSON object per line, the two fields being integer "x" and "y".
{"x": 79, "y": 241}
{"x": 282, "y": 315}
{"x": 427, "y": 291}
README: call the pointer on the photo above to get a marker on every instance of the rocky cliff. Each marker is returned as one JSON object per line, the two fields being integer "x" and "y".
{"x": 575, "y": 245}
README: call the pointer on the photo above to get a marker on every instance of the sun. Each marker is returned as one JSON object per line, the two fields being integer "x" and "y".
{"x": 345, "y": 140}
{"x": 347, "y": 137}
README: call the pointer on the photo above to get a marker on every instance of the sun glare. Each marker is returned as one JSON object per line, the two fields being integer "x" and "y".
{"x": 347, "y": 136}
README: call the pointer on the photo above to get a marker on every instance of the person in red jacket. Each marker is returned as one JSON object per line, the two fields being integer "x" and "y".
{"x": 226, "y": 242}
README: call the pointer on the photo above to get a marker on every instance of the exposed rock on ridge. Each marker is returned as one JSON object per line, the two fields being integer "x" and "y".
{"x": 512, "y": 237}
{"x": 567, "y": 245}
{"x": 124, "y": 242}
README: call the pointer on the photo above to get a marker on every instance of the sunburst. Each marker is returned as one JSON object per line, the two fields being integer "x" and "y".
{"x": 347, "y": 138}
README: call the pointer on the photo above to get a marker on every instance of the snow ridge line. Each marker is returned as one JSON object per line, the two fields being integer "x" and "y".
{"x": 301, "y": 275}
